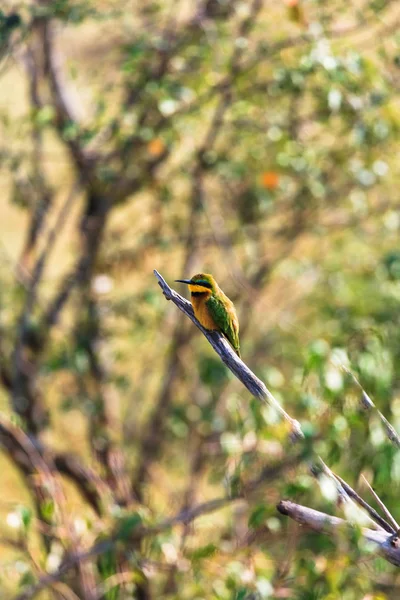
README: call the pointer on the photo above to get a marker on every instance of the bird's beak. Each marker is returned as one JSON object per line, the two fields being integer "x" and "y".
{"x": 188, "y": 281}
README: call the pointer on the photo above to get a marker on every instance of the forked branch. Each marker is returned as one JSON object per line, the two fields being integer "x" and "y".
{"x": 385, "y": 542}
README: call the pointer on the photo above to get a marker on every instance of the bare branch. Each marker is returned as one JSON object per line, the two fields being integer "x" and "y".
{"x": 230, "y": 359}
{"x": 93, "y": 225}
{"x": 67, "y": 109}
{"x": 368, "y": 404}
{"x": 323, "y": 523}
{"x": 152, "y": 441}
{"x": 376, "y": 518}
{"x": 26, "y": 402}
{"x": 386, "y": 512}
{"x": 87, "y": 481}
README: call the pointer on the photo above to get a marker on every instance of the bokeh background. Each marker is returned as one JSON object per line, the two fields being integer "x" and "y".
{"x": 255, "y": 140}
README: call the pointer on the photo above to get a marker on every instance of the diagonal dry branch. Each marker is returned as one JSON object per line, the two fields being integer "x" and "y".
{"x": 370, "y": 407}
{"x": 255, "y": 386}
{"x": 384, "y": 509}
{"x": 152, "y": 441}
{"x": 385, "y": 535}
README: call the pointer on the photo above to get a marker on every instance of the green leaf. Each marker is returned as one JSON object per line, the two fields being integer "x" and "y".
{"x": 127, "y": 525}
{"x": 47, "y": 509}
{"x": 203, "y": 552}
{"x": 258, "y": 516}
{"x": 26, "y": 516}
{"x": 27, "y": 579}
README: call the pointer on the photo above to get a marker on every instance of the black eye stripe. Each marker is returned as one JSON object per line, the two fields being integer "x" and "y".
{"x": 202, "y": 283}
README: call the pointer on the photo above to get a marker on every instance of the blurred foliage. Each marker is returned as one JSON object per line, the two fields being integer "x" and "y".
{"x": 254, "y": 140}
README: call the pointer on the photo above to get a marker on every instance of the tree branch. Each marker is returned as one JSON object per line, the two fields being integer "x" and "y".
{"x": 346, "y": 489}
{"x": 26, "y": 401}
{"x": 391, "y": 520}
{"x": 323, "y": 523}
{"x": 61, "y": 96}
{"x": 86, "y": 480}
{"x": 255, "y": 386}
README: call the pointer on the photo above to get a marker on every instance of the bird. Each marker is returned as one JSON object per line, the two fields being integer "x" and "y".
{"x": 212, "y": 308}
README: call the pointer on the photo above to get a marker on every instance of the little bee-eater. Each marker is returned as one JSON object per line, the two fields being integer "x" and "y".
{"x": 212, "y": 308}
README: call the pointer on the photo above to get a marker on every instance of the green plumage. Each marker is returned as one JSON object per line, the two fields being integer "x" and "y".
{"x": 212, "y": 307}
{"x": 223, "y": 313}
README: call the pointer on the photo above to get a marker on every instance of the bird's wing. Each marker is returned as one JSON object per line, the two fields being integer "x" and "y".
{"x": 225, "y": 318}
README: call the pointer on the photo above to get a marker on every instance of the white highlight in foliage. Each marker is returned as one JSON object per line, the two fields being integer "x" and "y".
{"x": 355, "y": 102}
{"x": 354, "y": 514}
{"x": 14, "y": 520}
{"x": 334, "y": 99}
{"x": 231, "y": 443}
{"x": 247, "y": 576}
{"x": 167, "y": 107}
{"x": 366, "y": 177}
{"x": 340, "y": 357}
{"x": 315, "y": 29}
{"x": 102, "y": 284}
{"x": 54, "y": 558}
{"x": 377, "y": 433}
{"x": 52, "y": 563}
{"x": 322, "y": 54}
{"x": 80, "y": 526}
{"x": 380, "y": 168}
{"x": 264, "y": 587}
{"x": 21, "y": 567}
{"x": 274, "y": 133}
{"x": 328, "y": 488}
{"x": 275, "y": 377}
{"x": 333, "y": 379}
{"x": 395, "y": 471}
{"x": 241, "y": 42}
{"x": 391, "y": 220}
{"x": 274, "y": 524}
{"x": 170, "y": 553}
{"x": 243, "y": 10}
{"x": 249, "y": 441}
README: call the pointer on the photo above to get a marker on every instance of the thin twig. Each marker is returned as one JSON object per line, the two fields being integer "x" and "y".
{"x": 382, "y": 506}
{"x": 368, "y": 404}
